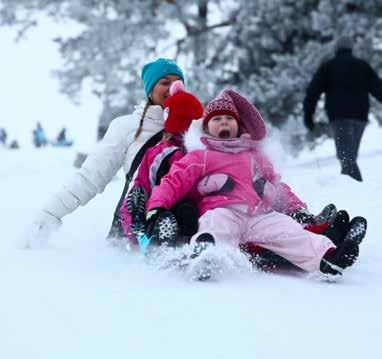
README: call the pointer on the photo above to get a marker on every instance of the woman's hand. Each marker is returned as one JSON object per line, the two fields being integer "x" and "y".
{"x": 39, "y": 231}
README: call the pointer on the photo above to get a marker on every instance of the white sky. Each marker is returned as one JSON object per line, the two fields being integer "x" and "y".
{"x": 29, "y": 93}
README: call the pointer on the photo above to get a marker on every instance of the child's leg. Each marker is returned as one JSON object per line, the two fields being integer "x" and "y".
{"x": 285, "y": 237}
{"x": 223, "y": 224}
{"x": 215, "y": 226}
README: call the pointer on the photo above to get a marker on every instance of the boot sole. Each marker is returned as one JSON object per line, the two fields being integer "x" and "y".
{"x": 327, "y": 214}
{"x": 167, "y": 229}
{"x": 357, "y": 230}
{"x": 338, "y": 229}
{"x": 348, "y": 254}
{"x": 136, "y": 203}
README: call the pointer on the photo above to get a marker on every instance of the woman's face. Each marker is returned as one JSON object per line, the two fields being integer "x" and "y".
{"x": 223, "y": 126}
{"x": 161, "y": 89}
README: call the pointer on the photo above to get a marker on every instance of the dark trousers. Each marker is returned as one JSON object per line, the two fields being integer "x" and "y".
{"x": 187, "y": 216}
{"x": 101, "y": 132}
{"x": 347, "y": 136}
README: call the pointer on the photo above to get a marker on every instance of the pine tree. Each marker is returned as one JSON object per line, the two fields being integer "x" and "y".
{"x": 266, "y": 49}
{"x": 282, "y": 44}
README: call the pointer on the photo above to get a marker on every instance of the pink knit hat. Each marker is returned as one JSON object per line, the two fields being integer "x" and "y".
{"x": 232, "y": 103}
{"x": 221, "y": 105}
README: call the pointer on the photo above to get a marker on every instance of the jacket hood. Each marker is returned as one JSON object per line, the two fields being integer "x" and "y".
{"x": 192, "y": 137}
{"x": 251, "y": 120}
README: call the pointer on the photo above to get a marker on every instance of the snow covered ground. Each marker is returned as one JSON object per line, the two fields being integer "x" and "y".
{"x": 81, "y": 298}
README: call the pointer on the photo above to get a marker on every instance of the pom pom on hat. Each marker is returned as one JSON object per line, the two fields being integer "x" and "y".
{"x": 180, "y": 108}
{"x": 176, "y": 86}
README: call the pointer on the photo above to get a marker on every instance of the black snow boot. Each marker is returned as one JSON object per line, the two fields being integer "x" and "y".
{"x": 337, "y": 230}
{"x": 136, "y": 202}
{"x": 351, "y": 169}
{"x": 165, "y": 230}
{"x": 207, "y": 268}
{"x": 328, "y": 214}
{"x": 335, "y": 260}
{"x": 356, "y": 229}
{"x": 201, "y": 244}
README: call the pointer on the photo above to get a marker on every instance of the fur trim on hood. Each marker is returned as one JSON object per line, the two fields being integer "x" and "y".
{"x": 192, "y": 138}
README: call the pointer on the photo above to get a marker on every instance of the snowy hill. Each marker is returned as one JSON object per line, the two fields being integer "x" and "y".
{"x": 81, "y": 298}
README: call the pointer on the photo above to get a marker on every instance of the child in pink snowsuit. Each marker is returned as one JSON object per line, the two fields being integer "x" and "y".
{"x": 180, "y": 108}
{"x": 258, "y": 207}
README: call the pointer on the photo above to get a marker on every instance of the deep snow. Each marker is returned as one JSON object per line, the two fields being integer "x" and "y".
{"x": 79, "y": 297}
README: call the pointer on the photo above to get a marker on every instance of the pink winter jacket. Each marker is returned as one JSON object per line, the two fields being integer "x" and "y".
{"x": 146, "y": 176}
{"x": 242, "y": 160}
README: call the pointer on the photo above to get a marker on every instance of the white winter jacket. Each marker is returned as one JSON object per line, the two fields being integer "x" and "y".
{"x": 118, "y": 148}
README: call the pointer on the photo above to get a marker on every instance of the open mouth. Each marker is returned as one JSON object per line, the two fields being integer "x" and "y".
{"x": 224, "y": 134}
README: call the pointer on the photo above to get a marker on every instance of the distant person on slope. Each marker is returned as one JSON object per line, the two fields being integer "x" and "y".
{"x": 61, "y": 140}
{"x": 39, "y": 136}
{"x": 346, "y": 82}
{"x": 14, "y": 145}
{"x": 126, "y": 136}
{"x": 3, "y": 136}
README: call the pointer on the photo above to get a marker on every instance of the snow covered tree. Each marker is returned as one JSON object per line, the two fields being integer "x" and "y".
{"x": 266, "y": 49}
{"x": 116, "y": 37}
{"x": 283, "y": 42}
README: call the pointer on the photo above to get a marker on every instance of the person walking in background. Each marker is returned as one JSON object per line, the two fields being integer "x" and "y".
{"x": 346, "y": 82}
{"x": 125, "y": 140}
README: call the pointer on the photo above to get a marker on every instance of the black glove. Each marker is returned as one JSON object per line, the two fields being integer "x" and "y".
{"x": 303, "y": 216}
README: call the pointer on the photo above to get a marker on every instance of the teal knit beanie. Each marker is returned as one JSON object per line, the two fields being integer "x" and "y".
{"x": 154, "y": 71}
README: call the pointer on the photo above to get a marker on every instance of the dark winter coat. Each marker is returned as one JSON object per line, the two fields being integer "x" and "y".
{"x": 346, "y": 82}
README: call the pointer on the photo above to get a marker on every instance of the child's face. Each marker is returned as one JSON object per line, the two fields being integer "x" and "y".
{"x": 223, "y": 126}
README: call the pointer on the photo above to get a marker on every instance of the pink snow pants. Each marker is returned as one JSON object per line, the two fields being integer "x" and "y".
{"x": 274, "y": 231}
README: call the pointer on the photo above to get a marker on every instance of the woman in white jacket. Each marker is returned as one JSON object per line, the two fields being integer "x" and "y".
{"x": 124, "y": 138}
